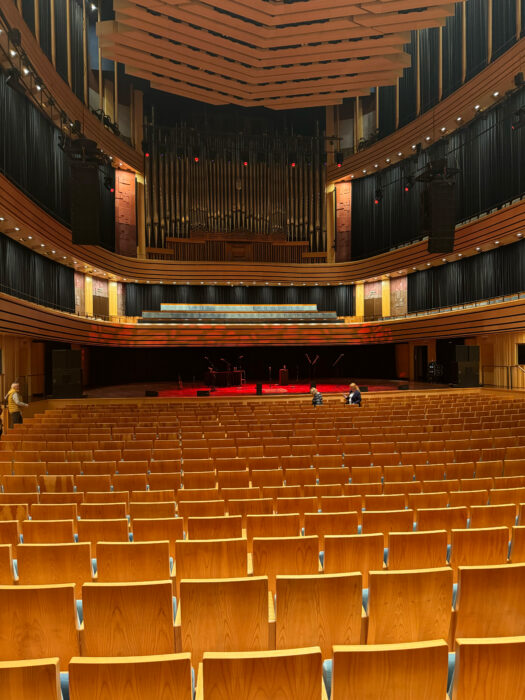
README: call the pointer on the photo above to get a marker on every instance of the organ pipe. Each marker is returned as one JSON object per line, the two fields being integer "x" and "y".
{"x": 199, "y": 183}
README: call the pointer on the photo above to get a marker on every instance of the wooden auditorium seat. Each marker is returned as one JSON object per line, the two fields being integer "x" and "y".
{"x": 350, "y": 553}
{"x": 322, "y": 524}
{"x": 48, "y": 531}
{"x": 133, "y": 561}
{"x": 274, "y": 556}
{"x": 166, "y": 676}
{"x": 6, "y": 565}
{"x": 410, "y": 671}
{"x": 206, "y": 559}
{"x": 38, "y": 622}
{"x": 388, "y": 521}
{"x": 108, "y": 530}
{"x": 409, "y": 606}
{"x": 128, "y": 619}
{"x": 479, "y": 547}
{"x": 489, "y": 669}
{"x": 294, "y": 674}
{"x": 48, "y": 564}
{"x": 490, "y": 601}
{"x": 319, "y": 610}
{"x": 223, "y": 615}
{"x": 215, "y": 528}
{"x": 417, "y": 550}
{"x": 27, "y": 680}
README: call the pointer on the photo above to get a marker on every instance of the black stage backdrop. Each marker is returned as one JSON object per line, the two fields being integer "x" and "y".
{"x": 491, "y": 160}
{"x": 112, "y": 366}
{"x": 33, "y": 277}
{"x": 148, "y": 297}
{"x": 495, "y": 273}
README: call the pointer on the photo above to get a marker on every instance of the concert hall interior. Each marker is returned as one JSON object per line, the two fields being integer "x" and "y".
{"x": 262, "y": 349}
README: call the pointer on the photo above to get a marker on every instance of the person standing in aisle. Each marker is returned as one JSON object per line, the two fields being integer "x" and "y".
{"x": 14, "y": 402}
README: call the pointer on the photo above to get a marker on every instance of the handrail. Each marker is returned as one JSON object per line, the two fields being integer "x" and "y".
{"x": 458, "y": 307}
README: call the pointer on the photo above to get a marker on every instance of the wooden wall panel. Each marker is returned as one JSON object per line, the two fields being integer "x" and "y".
{"x": 19, "y": 317}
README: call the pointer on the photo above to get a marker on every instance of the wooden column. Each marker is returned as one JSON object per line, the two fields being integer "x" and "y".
{"x": 385, "y": 297}
{"x": 112, "y": 298}
{"x": 360, "y": 300}
{"x": 141, "y": 218}
{"x": 330, "y": 223}
{"x": 88, "y": 295}
{"x": 37, "y": 20}
{"x": 518, "y": 20}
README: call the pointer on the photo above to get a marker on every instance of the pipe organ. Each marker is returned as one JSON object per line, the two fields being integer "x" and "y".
{"x": 260, "y": 188}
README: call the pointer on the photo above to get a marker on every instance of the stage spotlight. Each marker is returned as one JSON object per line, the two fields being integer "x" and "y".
{"x": 379, "y": 196}
{"x": 108, "y": 184}
{"x": 13, "y": 81}
{"x": 339, "y": 158}
{"x": 519, "y": 119}
{"x": 196, "y": 156}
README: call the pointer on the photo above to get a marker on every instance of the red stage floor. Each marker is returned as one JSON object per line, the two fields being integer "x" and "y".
{"x": 250, "y": 389}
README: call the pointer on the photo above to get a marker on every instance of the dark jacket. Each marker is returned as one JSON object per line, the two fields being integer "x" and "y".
{"x": 317, "y": 399}
{"x": 355, "y": 399}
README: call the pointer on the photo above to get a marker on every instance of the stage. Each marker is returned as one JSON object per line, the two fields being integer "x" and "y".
{"x": 189, "y": 390}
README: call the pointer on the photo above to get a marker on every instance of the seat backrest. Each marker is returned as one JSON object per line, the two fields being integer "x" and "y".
{"x": 6, "y": 565}
{"x": 272, "y": 525}
{"x": 48, "y": 531}
{"x": 478, "y": 547}
{"x": 409, "y": 606}
{"x": 148, "y": 678}
{"x": 379, "y": 671}
{"x": 133, "y": 561}
{"x": 107, "y": 530}
{"x": 295, "y": 674}
{"x": 388, "y": 521}
{"x": 26, "y": 680}
{"x": 224, "y": 615}
{"x": 319, "y": 610}
{"x": 154, "y": 529}
{"x": 417, "y": 550}
{"x": 205, "y": 559}
{"x": 517, "y": 552}
{"x": 102, "y": 511}
{"x": 490, "y": 601}
{"x": 128, "y": 619}
{"x": 347, "y": 553}
{"x": 322, "y": 524}
{"x": 442, "y": 518}
{"x": 493, "y": 516}
{"x": 45, "y": 620}
{"x": 162, "y": 509}
{"x": 215, "y": 528}
{"x": 285, "y": 555}
{"x": 492, "y": 668}
{"x": 47, "y": 564}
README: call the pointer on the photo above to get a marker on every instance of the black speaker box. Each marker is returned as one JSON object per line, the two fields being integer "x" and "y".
{"x": 67, "y": 383}
{"x": 403, "y": 387}
{"x": 150, "y": 392}
{"x": 85, "y": 204}
{"x": 203, "y": 392}
{"x": 258, "y": 388}
{"x": 462, "y": 353}
{"x": 66, "y": 359}
{"x": 468, "y": 374}
{"x": 439, "y": 215}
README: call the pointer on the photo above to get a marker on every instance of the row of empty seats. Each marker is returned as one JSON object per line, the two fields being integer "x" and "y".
{"x": 484, "y": 670}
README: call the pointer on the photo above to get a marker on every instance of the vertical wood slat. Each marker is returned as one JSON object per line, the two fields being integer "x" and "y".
{"x": 68, "y": 41}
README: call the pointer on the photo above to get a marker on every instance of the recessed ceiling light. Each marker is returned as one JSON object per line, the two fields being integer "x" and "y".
{"x": 53, "y": 251}
{"x": 460, "y": 255}
{"x": 414, "y": 146}
{"x": 496, "y": 242}
{"x": 352, "y": 176}
{"x": 477, "y": 107}
{"x": 427, "y": 138}
{"x": 12, "y": 52}
{"x": 17, "y": 228}
{"x": 42, "y": 245}
{"x": 519, "y": 235}
{"x": 495, "y": 93}
{"x": 458, "y": 119}
{"x": 316, "y": 284}
{"x": 376, "y": 165}
{"x": 478, "y": 248}
{"x": 444, "y": 260}
{"x": 414, "y": 268}
{"x": 400, "y": 154}
{"x": 64, "y": 257}
{"x": 30, "y": 238}
{"x": 388, "y": 160}
{"x": 443, "y": 129}
{"x": 428, "y": 264}
{"x": 364, "y": 170}
{"x": 1, "y": 218}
